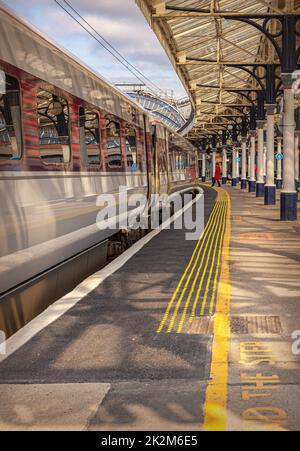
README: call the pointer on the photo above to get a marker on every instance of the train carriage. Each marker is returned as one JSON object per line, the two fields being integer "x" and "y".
{"x": 67, "y": 136}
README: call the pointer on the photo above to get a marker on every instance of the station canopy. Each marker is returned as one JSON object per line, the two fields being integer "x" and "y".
{"x": 206, "y": 43}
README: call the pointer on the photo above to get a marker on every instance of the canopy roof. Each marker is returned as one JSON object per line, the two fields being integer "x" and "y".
{"x": 204, "y": 47}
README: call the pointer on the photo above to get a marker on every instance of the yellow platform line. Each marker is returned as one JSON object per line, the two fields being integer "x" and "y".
{"x": 209, "y": 269}
{"x": 213, "y": 265}
{"x": 209, "y": 239}
{"x": 215, "y": 407}
{"x": 166, "y": 315}
{"x": 204, "y": 242}
{"x": 209, "y": 264}
{"x": 213, "y": 296}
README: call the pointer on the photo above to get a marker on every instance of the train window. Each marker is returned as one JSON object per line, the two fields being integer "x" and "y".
{"x": 10, "y": 118}
{"x": 131, "y": 149}
{"x": 89, "y": 136}
{"x": 113, "y": 143}
{"x": 53, "y": 123}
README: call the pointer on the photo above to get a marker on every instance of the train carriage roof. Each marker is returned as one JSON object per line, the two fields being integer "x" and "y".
{"x": 26, "y": 48}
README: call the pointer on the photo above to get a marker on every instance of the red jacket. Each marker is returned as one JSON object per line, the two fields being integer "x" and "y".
{"x": 218, "y": 173}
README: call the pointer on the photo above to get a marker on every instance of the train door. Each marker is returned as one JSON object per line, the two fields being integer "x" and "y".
{"x": 169, "y": 159}
{"x": 162, "y": 159}
{"x": 154, "y": 158}
{"x": 148, "y": 152}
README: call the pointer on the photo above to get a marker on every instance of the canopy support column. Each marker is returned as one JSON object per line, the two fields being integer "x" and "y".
{"x": 288, "y": 200}
{"x": 244, "y": 163}
{"x": 260, "y": 184}
{"x": 225, "y": 169}
{"x": 279, "y": 164}
{"x": 203, "y": 167}
{"x": 270, "y": 188}
{"x": 234, "y": 166}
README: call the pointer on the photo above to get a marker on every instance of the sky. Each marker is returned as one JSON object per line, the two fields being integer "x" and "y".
{"x": 120, "y": 22}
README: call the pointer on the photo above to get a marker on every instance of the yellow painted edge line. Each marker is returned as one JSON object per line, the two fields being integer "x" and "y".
{"x": 185, "y": 275}
{"x": 218, "y": 244}
{"x": 215, "y": 407}
{"x": 197, "y": 297}
{"x": 205, "y": 270}
{"x": 218, "y": 266}
{"x": 205, "y": 254}
{"x": 205, "y": 242}
{"x": 212, "y": 229}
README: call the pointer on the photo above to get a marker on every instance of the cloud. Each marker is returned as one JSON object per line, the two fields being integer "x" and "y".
{"x": 114, "y": 9}
{"x": 120, "y": 22}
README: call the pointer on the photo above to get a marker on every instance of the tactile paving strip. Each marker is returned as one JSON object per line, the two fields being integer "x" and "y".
{"x": 195, "y": 295}
{"x": 243, "y": 325}
{"x": 202, "y": 325}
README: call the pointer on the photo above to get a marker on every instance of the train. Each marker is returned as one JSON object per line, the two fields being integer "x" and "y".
{"x": 67, "y": 136}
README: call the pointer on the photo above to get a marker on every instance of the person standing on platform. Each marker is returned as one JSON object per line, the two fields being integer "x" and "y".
{"x": 217, "y": 176}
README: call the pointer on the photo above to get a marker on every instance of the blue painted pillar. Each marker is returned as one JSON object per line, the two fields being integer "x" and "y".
{"x": 260, "y": 183}
{"x": 244, "y": 163}
{"x": 270, "y": 188}
{"x": 288, "y": 200}
{"x": 279, "y": 182}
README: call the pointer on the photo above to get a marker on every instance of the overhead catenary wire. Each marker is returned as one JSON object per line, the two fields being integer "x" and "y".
{"x": 112, "y": 47}
{"x": 114, "y": 52}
